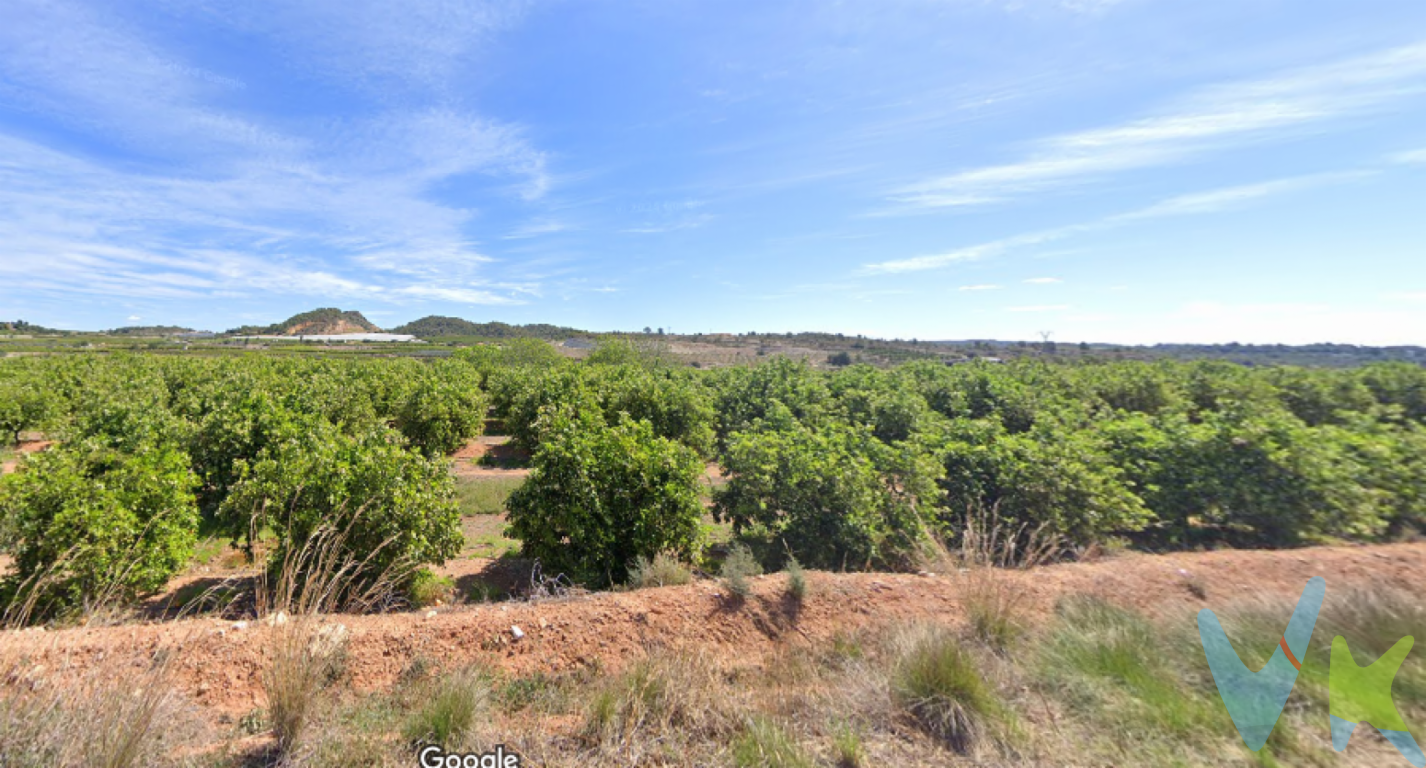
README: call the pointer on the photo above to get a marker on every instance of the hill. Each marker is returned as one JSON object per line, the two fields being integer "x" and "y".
{"x": 149, "y": 330}
{"x": 433, "y": 326}
{"x": 328, "y": 320}
{"x": 20, "y": 326}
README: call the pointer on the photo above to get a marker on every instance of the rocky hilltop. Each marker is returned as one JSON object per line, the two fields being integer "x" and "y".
{"x": 328, "y": 320}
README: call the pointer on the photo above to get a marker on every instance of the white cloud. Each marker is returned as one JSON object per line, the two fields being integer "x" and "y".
{"x": 979, "y": 288}
{"x": 1198, "y": 203}
{"x": 536, "y": 228}
{"x": 1213, "y": 118}
{"x": 1039, "y": 308}
{"x": 134, "y": 318}
{"x": 1043, "y": 280}
{"x": 1416, "y": 157}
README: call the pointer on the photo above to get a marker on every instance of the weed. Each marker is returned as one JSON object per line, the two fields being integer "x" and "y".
{"x": 664, "y": 570}
{"x": 128, "y": 721}
{"x": 763, "y": 744}
{"x": 1110, "y": 663}
{"x": 301, "y": 662}
{"x": 739, "y": 568}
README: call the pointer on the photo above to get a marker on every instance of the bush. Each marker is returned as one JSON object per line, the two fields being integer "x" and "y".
{"x": 599, "y": 497}
{"x": 88, "y": 525}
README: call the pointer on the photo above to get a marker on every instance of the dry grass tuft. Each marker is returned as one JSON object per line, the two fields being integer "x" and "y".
{"x": 664, "y": 570}
{"x": 101, "y": 719}
{"x": 994, "y": 594}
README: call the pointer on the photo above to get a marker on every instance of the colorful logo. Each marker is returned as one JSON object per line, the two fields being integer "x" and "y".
{"x": 1255, "y": 700}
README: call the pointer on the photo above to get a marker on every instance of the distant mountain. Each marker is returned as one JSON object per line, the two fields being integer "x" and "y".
{"x": 434, "y": 326}
{"x": 328, "y": 320}
{"x": 149, "y": 330}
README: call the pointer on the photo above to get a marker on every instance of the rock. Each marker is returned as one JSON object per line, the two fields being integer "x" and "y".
{"x": 239, "y": 625}
{"x": 277, "y": 619}
{"x": 430, "y": 614}
{"x": 516, "y": 632}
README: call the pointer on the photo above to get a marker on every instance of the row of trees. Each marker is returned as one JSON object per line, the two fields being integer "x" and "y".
{"x": 153, "y": 450}
{"x": 860, "y": 468}
{"x": 857, "y": 468}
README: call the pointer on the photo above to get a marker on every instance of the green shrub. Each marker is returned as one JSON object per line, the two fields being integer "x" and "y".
{"x": 427, "y": 588}
{"x": 392, "y": 508}
{"x": 835, "y": 496}
{"x": 444, "y": 410}
{"x": 89, "y": 526}
{"x": 796, "y": 579}
{"x": 664, "y": 570}
{"x": 599, "y": 497}
{"x": 738, "y": 569}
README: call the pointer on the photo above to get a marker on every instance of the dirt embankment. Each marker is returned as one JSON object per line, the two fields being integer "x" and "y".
{"x": 219, "y": 663}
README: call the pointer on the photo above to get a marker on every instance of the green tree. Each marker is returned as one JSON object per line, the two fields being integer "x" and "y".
{"x": 395, "y": 507}
{"x": 444, "y": 409}
{"x": 87, "y": 524}
{"x": 24, "y": 405}
{"x": 601, "y": 496}
{"x": 833, "y": 495}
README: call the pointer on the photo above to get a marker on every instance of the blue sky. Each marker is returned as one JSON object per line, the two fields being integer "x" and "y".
{"x": 1132, "y": 171}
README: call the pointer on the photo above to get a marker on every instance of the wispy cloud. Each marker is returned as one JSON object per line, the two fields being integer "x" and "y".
{"x": 346, "y": 207}
{"x": 690, "y": 222}
{"x": 979, "y": 288}
{"x": 536, "y": 228}
{"x": 1039, "y": 308}
{"x": 1415, "y": 157}
{"x": 1183, "y": 205}
{"x": 1043, "y": 280}
{"x": 1211, "y": 119}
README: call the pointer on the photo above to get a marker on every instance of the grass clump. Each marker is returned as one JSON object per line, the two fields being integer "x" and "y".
{"x": 129, "y": 721}
{"x": 992, "y": 589}
{"x": 847, "y": 748}
{"x": 739, "y": 568}
{"x": 763, "y": 744}
{"x": 659, "y": 696}
{"x": 938, "y": 684}
{"x": 1109, "y": 663}
{"x": 664, "y": 570}
{"x": 303, "y": 660}
{"x": 448, "y": 716}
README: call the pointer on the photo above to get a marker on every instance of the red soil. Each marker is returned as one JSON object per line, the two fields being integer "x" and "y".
{"x": 218, "y": 664}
